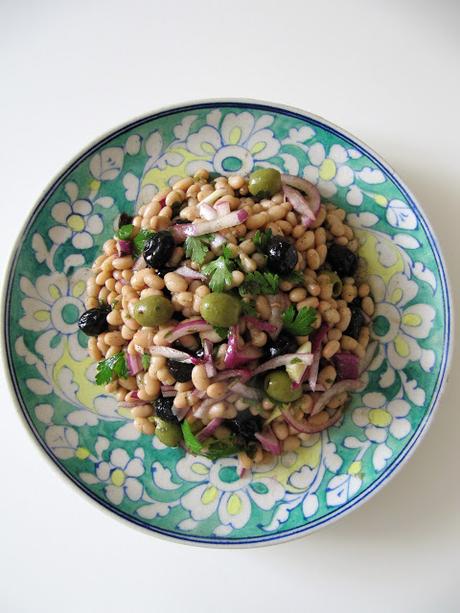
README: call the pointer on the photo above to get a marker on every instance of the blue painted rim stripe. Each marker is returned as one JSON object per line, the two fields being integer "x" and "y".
{"x": 412, "y": 441}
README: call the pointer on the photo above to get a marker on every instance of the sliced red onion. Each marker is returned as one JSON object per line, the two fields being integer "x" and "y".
{"x": 200, "y": 410}
{"x": 240, "y": 470}
{"x": 299, "y": 204}
{"x": 347, "y": 385}
{"x": 207, "y": 212}
{"x": 260, "y": 324}
{"x": 130, "y": 405}
{"x": 188, "y": 326}
{"x": 209, "y": 362}
{"x": 368, "y": 357}
{"x": 316, "y": 344}
{"x": 282, "y": 360}
{"x": 124, "y": 247}
{"x": 178, "y": 232}
{"x": 132, "y": 397}
{"x": 214, "y": 196}
{"x": 269, "y": 441}
{"x": 180, "y": 413}
{"x": 167, "y": 388}
{"x": 346, "y": 364}
{"x": 245, "y": 391}
{"x": 201, "y": 394}
{"x": 222, "y": 208}
{"x": 235, "y": 356}
{"x": 218, "y": 241}
{"x": 207, "y": 227}
{"x": 314, "y": 198}
{"x": 304, "y": 426}
{"x": 209, "y": 429}
{"x": 169, "y": 393}
{"x": 139, "y": 264}
{"x": 171, "y": 354}
{"x": 241, "y": 373}
{"x": 189, "y": 273}
{"x": 134, "y": 363}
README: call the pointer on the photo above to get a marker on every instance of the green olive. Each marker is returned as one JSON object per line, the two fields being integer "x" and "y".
{"x": 336, "y": 282}
{"x": 153, "y": 311}
{"x": 264, "y": 183}
{"x": 168, "y": 432}
{"x": 220, "y": 309}
{"x": 278, "y": 386}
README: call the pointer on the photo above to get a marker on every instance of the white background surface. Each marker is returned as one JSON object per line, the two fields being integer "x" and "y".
{"x": 387, "y": 72}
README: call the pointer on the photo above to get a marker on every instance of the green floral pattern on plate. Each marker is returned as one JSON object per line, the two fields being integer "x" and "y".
{"x": 93, "y": 440}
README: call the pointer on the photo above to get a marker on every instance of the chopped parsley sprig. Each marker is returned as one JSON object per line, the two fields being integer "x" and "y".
{"x": 110, "y": 368}
{"x": 299, "y": 323}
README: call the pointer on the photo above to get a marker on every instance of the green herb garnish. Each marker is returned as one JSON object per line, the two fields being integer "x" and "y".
{"x": 249, "y": 308}
{"x": 222, "y": 331}
{"x": 140, "y": 239}
{"x": 220, "y": 270}
{"x": 299, "y": 323}
{"x": 260, "y": 283}
{"x": 124, "y": 233}
{"x": 196, "y": 247}
{"x": 145, "y": 360}
{"x": 115, "y": 366}
{"x": 261, "y": 238}
{"x": 296, "y": 278}
{"x": 190, "y": 440}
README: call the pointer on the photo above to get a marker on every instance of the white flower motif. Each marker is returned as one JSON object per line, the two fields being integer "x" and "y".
{"x": 52, "y": 306}
{"x": 120, "y": 475}
{"x": 328, "y": 170}
{"x": 398, "y": 325}
{"x": 219, "y": 489}
{"x": 235, "y": 144}
{"x": 380, "y": 418}
{"x": 76, "y": 220}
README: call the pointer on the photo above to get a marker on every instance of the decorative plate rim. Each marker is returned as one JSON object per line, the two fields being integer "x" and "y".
{"x": 418, "y": 434}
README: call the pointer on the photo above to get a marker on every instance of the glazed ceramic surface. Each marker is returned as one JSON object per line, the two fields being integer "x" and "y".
{"x": 164, "y": 490}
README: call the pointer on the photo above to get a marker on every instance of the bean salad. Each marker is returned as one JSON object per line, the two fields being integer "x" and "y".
{"x": 230, "y": 315}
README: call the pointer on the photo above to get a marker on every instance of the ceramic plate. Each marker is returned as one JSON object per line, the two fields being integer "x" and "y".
{"x": 93, "y": 442}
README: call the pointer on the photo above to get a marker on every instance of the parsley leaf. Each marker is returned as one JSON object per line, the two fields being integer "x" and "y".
{"x": 190, "y": 440}
{"x": 260, "y": 283}
{"x": 145, "y": 360}
{"x": 124, "y": 233}
{"x": 115, "y": 366}
{"x": 296, "y": 277}
{"x": 220, "y": 270}
{"x": 222, "y": 331}
{"x": 196, "y": 247}
{"x": 261, "y": 239}
{"x": 140, "y": 239}
{"x": 299, "y": 323}
{"x": 248, "y": 308}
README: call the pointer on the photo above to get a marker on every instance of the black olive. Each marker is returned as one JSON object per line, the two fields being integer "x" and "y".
{"x": 124, "y": 220}
{"x": 281, "y": 255}
{"x": 342, "y": 261}
{"x": 163, "y": 409}
{"x": 245, "y": 425}
{"x": 356, "y": 322}
{"x": 94, "y": 321}
{"x": 181, "y": 371}
{"x": 158, "y": 249}
{"x": 285, "y": 343}
{"x": 161, "y": 272}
